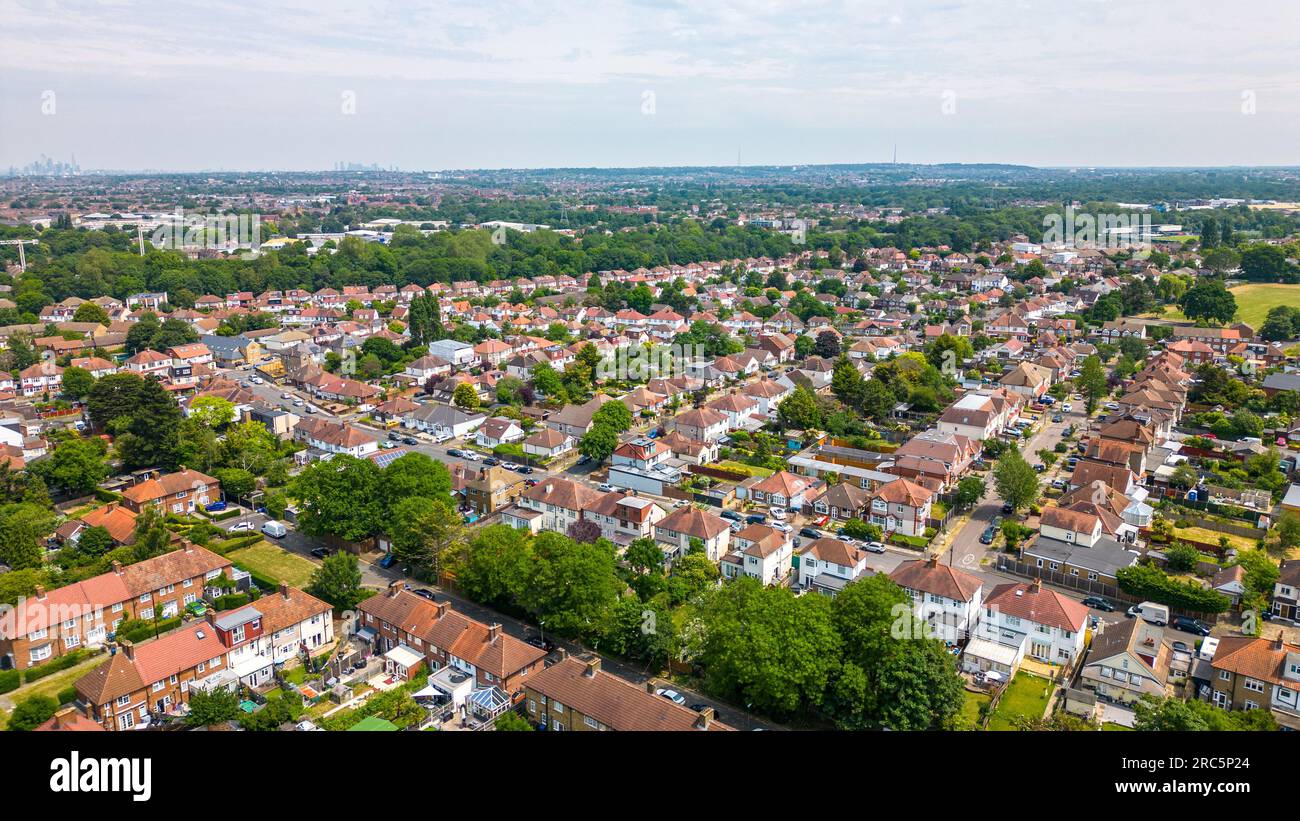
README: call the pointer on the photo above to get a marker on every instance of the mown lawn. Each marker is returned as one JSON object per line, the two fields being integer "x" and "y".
{"x": 51, "y": 685}
{"x": 1253, "y": 303}
{"x": 969, "y": 717}
{"x": 274, "y": 562}
{"x": 1026, "y": 695}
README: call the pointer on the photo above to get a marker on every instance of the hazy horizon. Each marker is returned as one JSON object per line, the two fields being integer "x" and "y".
{"x": 297, "y": 86}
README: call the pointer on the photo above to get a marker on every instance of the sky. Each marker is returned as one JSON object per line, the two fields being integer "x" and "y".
{"x": 304, "y": 84}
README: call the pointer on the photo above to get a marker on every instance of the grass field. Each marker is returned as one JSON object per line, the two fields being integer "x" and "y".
{"x": 1253, "y": 302}
{"x": 1026, "y": 695}
{"x": 50, "y": 685}
{"x": 969, "y": 718}
{"x": 274, "y": 562}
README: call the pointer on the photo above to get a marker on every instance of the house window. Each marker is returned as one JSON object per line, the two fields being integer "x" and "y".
{"x": 41, "y": 653}
{"x": 1225, "y": 675}
{"x": 1253, "y": 685}
{"x": 591, "y": 722}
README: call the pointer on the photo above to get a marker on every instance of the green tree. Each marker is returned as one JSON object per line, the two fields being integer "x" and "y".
{"x": 1175, "y": 714}
{"x": 211, "y": 707}
{"x": 798, "y": 411}
{"x": 613, "y": 414}
{"x": 341, "y": 497}
{"x": 32, "y": 712}
{"x": 969, "y": 491}
{"x": 95, "y": 541}
{"x": 1092, "y": 381}
{"x": 511, "y": 722}
{"x": 767, "y": 648}
{"x": 338, "y": 581}
{"x": 1015, "y": 481}
{"x": 464, "y": 396}
{"x": 77, "y": 382}
{"x": 90, "y": 312}
{"x": 426, "y": 533}
{"x": 1209, "y": 300}
{"x": 599, "y": 442}
{"x": 76, "y": 466}
{"x": 570, "y": 586}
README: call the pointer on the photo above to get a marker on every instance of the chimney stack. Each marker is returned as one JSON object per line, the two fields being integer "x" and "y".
{"x": 284, "y": 589}
{"x": 650, "y": 687}
{"x": 128, "y": 649}
{"x": 1281, "y": 644}
{"x": 394, "y": 588}
{"x": 933, "y": 561}
{"x": 441, "y": 609}
{"x": 562, "y": 654}
{"x": 117, "y": 567}
{"x": 1038, "y": 585}
{"x": 63, "y": 717}
{"x": 40, "y": 592}
{"x": 593, "y": 667}
{"x": 494, "y": 632}
{"x": 704, "y": 719}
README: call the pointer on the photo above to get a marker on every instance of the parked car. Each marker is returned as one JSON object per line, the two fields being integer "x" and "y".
{"x": 781, "y": 526}
{"x": 730, "y": 514}
{"x": 583, "y": 459}
{"x": 755, "y": 519}
{"x": 1112, "y": 406}
{"x": 439, "y": 438}
{"x": 286, "y": 395}
{"x": 524, "y": 469}
{"x": 672, "y": 695}
{"x": 320, "y": 552}
{"x": 811, "y": 533}
{"x": 1067, "y": 407}
{"x": 699, "y": 707}
{"x": 874, "y": 547}
{"x": 1190, "y": 625}
{"x": 845, "y": 539}
{"x": 540, "y": 643}
{"x": 470, "y": 456}
{"x": 425, "y": 593}
{"x": 274, "y": 529}
{"x": 1007, "y": 509}
{"x": 1056, "y": 417}
{"x": 1181, "y": 647}
{"x": 454, "y": 452}
{"x": 1040, "y": 468}
{"x": 510, "y": 466}
{"x": 777, "y": 512}
{"x": 215, "y": 506}
{"x": 1098, "y": 603}
{"x": 987, "y": 536}
{"x": 530, "y": 482}
{"x": 387, "y": 445}
{"x": 388, "y": 561}
{"x": 410, "y": 440}
{"x": 491, "y": 461}
{"x": 1060, "y": 484}
{"x": 242, "y": 526}
{"x": 604, "y": 487}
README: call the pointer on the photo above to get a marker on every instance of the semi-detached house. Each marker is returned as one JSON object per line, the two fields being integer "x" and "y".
{"x": 49, "y": 624}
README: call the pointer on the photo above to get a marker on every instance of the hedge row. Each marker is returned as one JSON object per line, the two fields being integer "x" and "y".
{"x": 59, "y": 664}
{"x": 236, "y": 543}
{"x": 230, "y": 601}
{"x": 10, "y": 681}
{"x": 147, "y": 631}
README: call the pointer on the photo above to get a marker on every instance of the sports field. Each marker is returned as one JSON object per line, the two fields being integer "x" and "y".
{"x": 1253, "y": 302}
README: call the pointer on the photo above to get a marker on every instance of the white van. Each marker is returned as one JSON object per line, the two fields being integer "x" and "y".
{"x": 1149, "y": 611}
{"x": 274, "y": 529}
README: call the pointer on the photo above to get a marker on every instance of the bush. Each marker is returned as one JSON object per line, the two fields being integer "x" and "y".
{"x": 858, "y": 529}
{"x": 9, "y": 681}
{"x": 67, "y": 695}
{"x": 148, "y": 629}
{"x": 61, "y": 663}
{"x": 236, "y": 543}
{"x": 231, "y": 601}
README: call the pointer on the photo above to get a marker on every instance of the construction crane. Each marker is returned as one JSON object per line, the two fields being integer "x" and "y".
{"x": 22, "y": 255}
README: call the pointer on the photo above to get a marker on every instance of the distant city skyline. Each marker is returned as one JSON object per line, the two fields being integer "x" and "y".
{"x": 293, "y": 85}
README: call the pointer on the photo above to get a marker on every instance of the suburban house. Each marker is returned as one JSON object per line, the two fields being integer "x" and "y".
{"x": 843, "y": 501}
{"x": 1257, "y": 673}
{"x": 624, "y": 518}
{"x": 442, "y": 420}
{"x": 50, "y": 624}
{"x": 702, "y": 424}
{"x": 945, "y": 598}
{"x": 784, "y": 489}
{"x": 560, "y": 503}
{"x": 399, "y": 618}
{"x": 676, "y": 530}
{"x": 826, "y": 565}
{"x": 576, "y": 695}
{"x": 1022, "y": 619}
{"x": 548, "y": 443}
{"x": 498, "y": 430}
{"x": 1128, "y": 660}
{"x": 1286, "y": 591}
{"x": 902, "y": 506}
{"x": 180, "y": 492}
{"x": 761, "y": 552}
